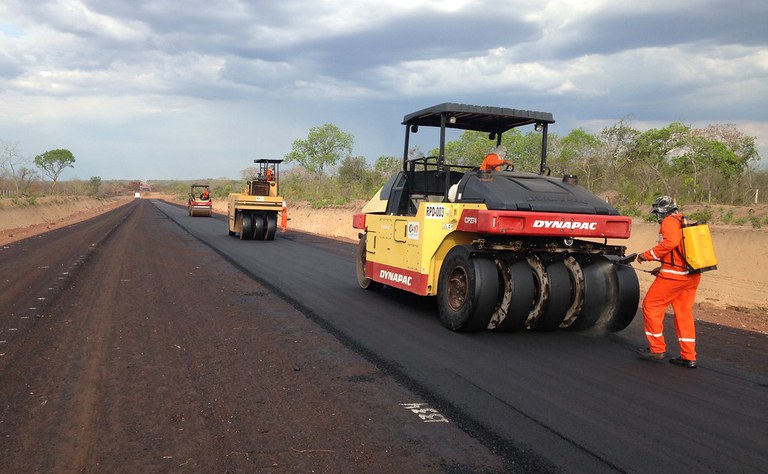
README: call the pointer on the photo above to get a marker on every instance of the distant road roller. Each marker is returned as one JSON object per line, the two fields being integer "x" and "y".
{"x": 199, "y": 201}
{"x": 502, "y": 250}
{"x": 253, "y": 214}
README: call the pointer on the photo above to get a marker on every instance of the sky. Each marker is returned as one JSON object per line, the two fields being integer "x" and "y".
{"x": 162, "y": 89}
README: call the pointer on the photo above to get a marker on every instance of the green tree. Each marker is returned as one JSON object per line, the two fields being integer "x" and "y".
{"x": 469, "y": 149}
{"x": 580, "y": 155}
{"x": 353, "y": 170}
{"x": 94, "y": 185}
{"x": 323, "y": 147}
{"x": 53, "y": 162}
{"x": 386, "y": 166}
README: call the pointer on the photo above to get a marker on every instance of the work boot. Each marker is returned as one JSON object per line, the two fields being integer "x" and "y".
{"x": 691, "y": 364}
{"x": 648, "y": 355}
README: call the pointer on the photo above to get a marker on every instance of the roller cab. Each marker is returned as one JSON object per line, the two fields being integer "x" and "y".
{"x": 502, "y": 250}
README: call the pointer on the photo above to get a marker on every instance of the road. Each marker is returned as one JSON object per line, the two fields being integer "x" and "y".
{"x": 521, "y": 402}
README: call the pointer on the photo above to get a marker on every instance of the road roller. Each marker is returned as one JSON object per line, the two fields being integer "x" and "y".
{"x": 253, "y": 213}
{"x": 503, "y": 250}
{"x": 199, "y": 201}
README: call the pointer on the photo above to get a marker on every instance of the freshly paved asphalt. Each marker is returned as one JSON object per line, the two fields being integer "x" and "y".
{"x": 580, "y": 401}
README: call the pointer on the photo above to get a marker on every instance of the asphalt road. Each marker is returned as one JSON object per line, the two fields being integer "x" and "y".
{"x": 582, "y": 402}
{"x": 127, "y": 351}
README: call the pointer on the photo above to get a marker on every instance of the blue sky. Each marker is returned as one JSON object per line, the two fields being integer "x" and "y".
{"x": 158, "y": 89}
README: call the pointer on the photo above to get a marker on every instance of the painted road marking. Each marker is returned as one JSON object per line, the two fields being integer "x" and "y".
{"x": 427, "y": 414}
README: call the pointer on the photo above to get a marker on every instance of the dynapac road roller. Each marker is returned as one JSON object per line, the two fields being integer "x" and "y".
{"x": 503, "y": 250}
{"x": 254, "y": 213}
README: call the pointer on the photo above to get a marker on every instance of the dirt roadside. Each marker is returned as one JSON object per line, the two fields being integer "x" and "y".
{"x": 732, "y": 296}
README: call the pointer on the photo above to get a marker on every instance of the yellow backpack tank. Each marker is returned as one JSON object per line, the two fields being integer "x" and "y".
{"x": 698, "y": 250}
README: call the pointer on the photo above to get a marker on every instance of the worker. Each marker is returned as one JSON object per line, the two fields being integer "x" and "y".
{"x": 206, "y": 195}
{"x": 495, "y": 159}
{"x": 270, "y": 174}
{"x": 674, "y": 285}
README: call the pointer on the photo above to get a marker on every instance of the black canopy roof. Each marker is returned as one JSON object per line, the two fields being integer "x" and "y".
{"x": 477, "y": 117}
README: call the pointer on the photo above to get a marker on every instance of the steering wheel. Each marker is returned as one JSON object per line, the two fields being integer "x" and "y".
{"x": 509, "y": 167}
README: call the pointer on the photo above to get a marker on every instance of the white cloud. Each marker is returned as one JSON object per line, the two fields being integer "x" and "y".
{"x": 224, "y": 72}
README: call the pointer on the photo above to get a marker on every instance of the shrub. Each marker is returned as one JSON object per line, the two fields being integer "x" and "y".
{"x": 702, "y": 215}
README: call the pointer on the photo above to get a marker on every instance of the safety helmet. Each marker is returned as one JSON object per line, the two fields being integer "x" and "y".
{"x": 501, "y": 152}
{"x": 663, "y": 205}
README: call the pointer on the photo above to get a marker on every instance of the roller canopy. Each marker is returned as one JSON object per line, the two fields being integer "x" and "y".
{"x": 476, "y": 117}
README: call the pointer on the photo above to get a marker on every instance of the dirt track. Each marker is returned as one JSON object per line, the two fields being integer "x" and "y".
{"x": 144, "y": 352}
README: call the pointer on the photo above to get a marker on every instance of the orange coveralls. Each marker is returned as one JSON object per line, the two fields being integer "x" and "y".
{"x": 673, "y": 285}
{"x": 491, "y": 162}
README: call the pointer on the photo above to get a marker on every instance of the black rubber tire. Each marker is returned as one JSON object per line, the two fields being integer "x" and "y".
{"x": 259, "y": 227}
{"x": 541, "y": 290}
{"x": 559, "y": 298}
{"x": 364, "y": 282}
{"x": 246, "y": 229}
{"x": 628, "y": 291}
{"x": 577, "y": 290}
{"x": 599, "y": 293}
{"x": 271, "y": 225}
{"x": 517, "y": 293}
{"x": 467, "y": 290}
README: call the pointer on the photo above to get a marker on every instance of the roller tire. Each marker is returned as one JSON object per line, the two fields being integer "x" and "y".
{"x": 599, "y": 293}
{"x": 541, "y": 290}
{"x": 516, "y": 296}
{"x": 246, "y": 228}
{"x": 559, "y": 298}
{"x": 577, "y": 290}
{"x": 364, "y": 282}
{"x": 467, "y": 290}
{"x": 259, "y": 227}
{"x": 628, "y": 291}
{"x": 271, "y": 225}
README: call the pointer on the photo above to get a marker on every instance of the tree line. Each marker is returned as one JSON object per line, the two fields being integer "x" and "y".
{"x": 716, "y": 164}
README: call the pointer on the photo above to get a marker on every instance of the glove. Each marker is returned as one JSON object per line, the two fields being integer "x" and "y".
{"x": 655, "y": 271}
{"x": 641, "y": 259}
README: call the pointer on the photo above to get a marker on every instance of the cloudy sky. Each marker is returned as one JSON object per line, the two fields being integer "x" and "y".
{"x": 164, "y": 89}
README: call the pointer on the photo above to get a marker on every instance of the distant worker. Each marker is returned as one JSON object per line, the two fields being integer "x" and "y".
{"x": 270, "y": 174}
{"x": 495, "y": 159}
{"x": 674, "y": 285}
{"x": 206, "y": 195}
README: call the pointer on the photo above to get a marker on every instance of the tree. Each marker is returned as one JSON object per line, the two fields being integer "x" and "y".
{"x": 249, "y": 174}
{"x": 580, "y": 152}
{"x": 94, "y": 185}
{"x": 353, "y": 170}
{"x": 386, "y": 166}
{"x": 324, "y": 146}
{"x": 10, "y": 158}
{"x": 53, "y": 162}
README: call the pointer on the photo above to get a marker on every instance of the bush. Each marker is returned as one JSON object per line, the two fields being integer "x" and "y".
{"x": 704, "y": 215}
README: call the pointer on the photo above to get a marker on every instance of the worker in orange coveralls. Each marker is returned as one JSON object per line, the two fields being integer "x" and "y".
{"x": 206, "y": 195}
{"x": 495, "y": 159}
{"x": 270, "y": 174}
{"x": 674, "y": 285}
